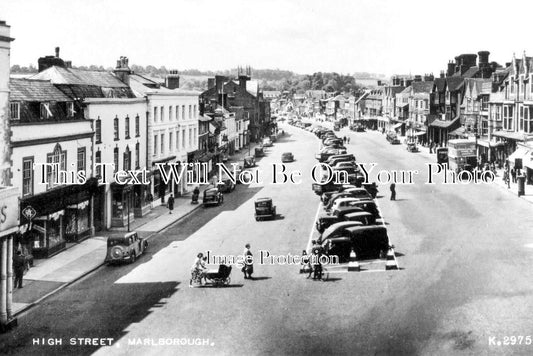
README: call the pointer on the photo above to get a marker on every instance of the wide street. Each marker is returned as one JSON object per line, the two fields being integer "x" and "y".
{"x": 464, "y": 253}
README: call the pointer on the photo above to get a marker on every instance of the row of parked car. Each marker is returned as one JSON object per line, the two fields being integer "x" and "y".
{"x": 351, "y": 218}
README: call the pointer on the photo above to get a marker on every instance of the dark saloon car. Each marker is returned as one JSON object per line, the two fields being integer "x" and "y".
{"x": 212, "y": 196}
{"x": 264, "y": 209}
{"x": 368, "y": 242}
{"x": 125, "y": 248}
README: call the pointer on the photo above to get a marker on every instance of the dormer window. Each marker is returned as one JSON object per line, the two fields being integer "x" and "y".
{"x": 15, "y": 111}
{"x": 71, "y": 111}
{"x": 45, "y": 111}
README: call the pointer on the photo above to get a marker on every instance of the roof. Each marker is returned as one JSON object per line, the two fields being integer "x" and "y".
{"x": 34, "y": 90}
{"x": 440, "y": 84}
{"x": 72, "y": 76}
{"x": 252, "y": 87}
{"x": 470, "y": 73}
{"x": 454, "y": 83}
{"x": 422, "y": 87}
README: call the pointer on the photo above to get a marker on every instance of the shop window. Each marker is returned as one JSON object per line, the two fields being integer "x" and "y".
{"x": 27, "y": 176}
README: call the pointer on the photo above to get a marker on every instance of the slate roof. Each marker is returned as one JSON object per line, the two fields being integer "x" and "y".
{"x": 454, "y": 83}
{"x": 72, "y": 76}
{"x": 23, "y": 89}
{"x": 422, "y": 87}
{"x": 440, "y": 84}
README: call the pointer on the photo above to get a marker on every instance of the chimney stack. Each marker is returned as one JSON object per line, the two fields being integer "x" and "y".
{"x": 57, "y": 52}
{"x": 210, "y": 83}
{"x": 172, "y": 80}
{"x": 451, "y": 69}
{"x": 123, "y": 71}
{"x": 219, "y": 82}
{"x": 442, "y": 74}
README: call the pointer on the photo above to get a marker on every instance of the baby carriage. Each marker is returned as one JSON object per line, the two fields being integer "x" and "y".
{"x": 222, "y": 277}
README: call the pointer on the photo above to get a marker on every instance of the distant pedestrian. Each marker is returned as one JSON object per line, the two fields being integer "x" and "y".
{"x": 392, "y": 191}
{"x": 431, "y": 147}
{"x": 348, "y": 140}
{"x": 344, "y": 139}
{"x": 19, "y": 265}
{"x": 513, "y": 175}
{"x": 506, "y": 178}
{"x": 248, "y": 267}
{"x": 170, "y": 204}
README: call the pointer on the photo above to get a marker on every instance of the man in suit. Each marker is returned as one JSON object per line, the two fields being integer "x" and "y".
{"x": 392, "y": 191}
{"x": 248, "y": 268}
{"x": 19, "y": 264}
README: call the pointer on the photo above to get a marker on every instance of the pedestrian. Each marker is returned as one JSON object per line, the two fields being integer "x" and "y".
{"x": 392, "y": 191}
{"x": 513, "y": 175}
{"x": 248, "y": 267}
{"x": 348, "y": 140}
{"x": 506, "y": 178}
{"x": 431, "y": 147}
{"x": 344, "y": 139}
{"x": 170, "y": 203}
{"x": 19, "y": 265}
{"x": 316, "y": 265}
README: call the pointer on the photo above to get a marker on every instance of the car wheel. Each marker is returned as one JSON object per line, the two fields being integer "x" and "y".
{"x": 133, "y": 258}
{"x": 256, "y": 219}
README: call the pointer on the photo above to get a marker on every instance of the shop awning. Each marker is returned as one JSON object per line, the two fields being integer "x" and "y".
{"x": 516, "y": 136}
{"x": 444, "y": 124}
{"x": 460, "y": 131}
{"x": 398, "y": 125}
{"x": 419, "y": 133}
{"x": 489, "y": 144}
{"x": 523, "y": 153}
{"x": 204, "y": 118}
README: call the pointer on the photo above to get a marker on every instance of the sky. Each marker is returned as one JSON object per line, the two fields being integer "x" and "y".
{"x": 304, "y": 36}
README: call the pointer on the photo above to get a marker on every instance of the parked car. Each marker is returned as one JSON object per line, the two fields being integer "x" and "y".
{"x": 325, "y": 221}
{"x": 273, "y": 138}
{"x": 337, "y": 229}
{"x": 368, "y": 242}
{"x": 226, "y": 185}
{"x": 259, "y": 152}
{"x": 212, "y": 196}
{"x": 125, "y": 248}
{"x": 342, "y": 202}
{"x": 264, "y": 209}
{"x": 340, "y": 188}
{"x": 371, "y": 188}
{"x": 392, "y": 137}
{"x": 366, "y": 205}
{"x": 287, "y": 157}
{"x": 249, "y": 161}
{"x": 267, "y": 142}
{"x": 358, "y": 193}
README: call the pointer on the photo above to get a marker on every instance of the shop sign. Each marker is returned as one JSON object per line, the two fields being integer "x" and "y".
{"x": 29, "y": 212}
{"x": 8, "y": 208}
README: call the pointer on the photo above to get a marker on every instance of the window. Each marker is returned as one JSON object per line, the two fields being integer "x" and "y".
{"x": 155, "y": 113}
{"x": 170, "y": 113}
{"x": 59, "y": 160}
{"x": 137, "y": 155}
{"x": 190, "y": 137}
{"x": 115, "y": 128}
{"x": 162, "y": 143}
{"x": 162, "y": 115}
{"x": 137, "y": 126}
{"x": 27, "y": 176}
{"x": 98, "y": 130}
{"x": 81, "y": 159}
{"x": 127, "y": 127}
{"x": 190, "y": 112}
{"x": 177, "y": 112}
{"x": 527, "y": 119}
{"x": 126, "y": 163}
{"x": 508, "y": 117}
{"x": 183, "y": 112}
{"x": 177, "y": 140}
{"x": 170, "y": 142}
{"x": 156, "y": 136}
{"x": 183, "y": 139}
{"x": 45, "y": 111}
{"x": 15, "y": 111}
{"x": 98, "y": 159}
{"x": 521, "y": 118}
{"x": 115, "y": 159}
{"x": 70, "y": 109}
{"x": 195, "y": 112}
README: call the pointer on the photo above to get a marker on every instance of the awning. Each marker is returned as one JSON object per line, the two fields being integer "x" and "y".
{"x": 523, "y": 153}
{"x": 402, "y": 105}
{"x": 398, "y": 125}
{"x": 458, "y": 132}
{"x": 517, "y": 136}
{"x": 444, "y": 123}
{"x": 204, "y": 118}
{"x": 419, "y": 133}
{"x": 489, "y": 144}
{"x": 384, "y": 119}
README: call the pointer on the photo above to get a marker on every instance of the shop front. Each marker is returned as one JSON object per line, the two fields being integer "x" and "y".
{"x": 143, "y": 198}
{"x": 53, "y": 218}
{"x": 122, "y": 205}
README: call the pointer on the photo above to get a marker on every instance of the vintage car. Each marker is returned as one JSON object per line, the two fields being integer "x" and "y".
{"x": 287, "y": 157}
{"x": 125, "y": 248}
{"x": 259, "y": 152}
{"x": 273, "y": 138}
{"x": 249, "y": 161}
{"x": 328, "y": 152}
{"x": 267, "y": 142}
{"x": 343, "y": 201}
{"x": 358, "y": 214}
{"x": 337, "y": 229}
{"x": 359, "y": 193}
{"x": 371, "y": 188}
{"x": 226, "y": 185}
{"x": 264, "y": 209}
{"x": 411, "y": 147}
{"x": 212, "y": 196}
{"x": 368, "y": 242}
{"x": 340, "y": 188}
{"x": 366, "y": 205}
{"x": 392, "y": 137}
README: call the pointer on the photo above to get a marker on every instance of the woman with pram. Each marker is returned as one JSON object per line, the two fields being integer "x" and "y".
{"x": 198, "y": 270}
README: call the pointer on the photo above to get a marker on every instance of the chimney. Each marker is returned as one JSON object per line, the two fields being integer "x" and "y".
{"x": 451, "y": 69}
{"x": 219, "y": 82}
{"x": 418, "y": 78}
{"x": 428, "y": 77}
{"x": 46, "y": 62}
{"x": 172, "y": 80}
{"x": 483, "y": 58}
{"x": 210, "y": 83}
{"x": 442, "y": 74}
{"x": 123, "y": 71}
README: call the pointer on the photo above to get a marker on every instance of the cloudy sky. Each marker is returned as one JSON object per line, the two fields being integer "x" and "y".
{"x": 305, "y": 36}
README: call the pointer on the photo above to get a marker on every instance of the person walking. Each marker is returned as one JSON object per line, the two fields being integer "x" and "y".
{"x": 248, "y": 267}
{"x": 506, "y": 178}
{"x": 19, "y": 264}
{"x": 170, "y": 203}
{"x": 344, "y": 139}
{"x": 392, "y": 191}
{"x": 513, "y": 175}
{"x": 348, "y": 139}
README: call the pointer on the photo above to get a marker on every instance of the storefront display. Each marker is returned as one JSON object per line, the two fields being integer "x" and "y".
{"x": 77, "y": 221}
{"x": 122, "y": 205}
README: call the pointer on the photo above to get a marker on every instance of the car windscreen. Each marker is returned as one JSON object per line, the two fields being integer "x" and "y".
{"x": 116, "y": 242}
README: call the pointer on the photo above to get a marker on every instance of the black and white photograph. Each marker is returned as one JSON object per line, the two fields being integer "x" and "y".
{"x": 266, "y": 177}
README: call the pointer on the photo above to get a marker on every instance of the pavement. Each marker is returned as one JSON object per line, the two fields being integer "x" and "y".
{"x": 48, "y": 276}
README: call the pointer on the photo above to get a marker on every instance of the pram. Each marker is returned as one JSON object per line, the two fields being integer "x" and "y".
{"x": 222, "y": 277}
